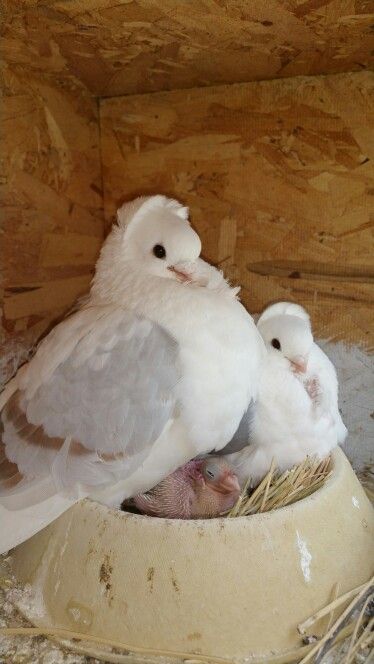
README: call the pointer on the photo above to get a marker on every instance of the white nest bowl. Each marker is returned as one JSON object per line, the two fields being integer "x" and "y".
{"x": 230, "y": 588}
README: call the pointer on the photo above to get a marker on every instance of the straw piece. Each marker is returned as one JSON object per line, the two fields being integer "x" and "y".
{"x": 235, "y": 510}
{"x": 355, "y": 631}
{"x": 257, "y": 492}
{"x": 334, "y": 594}
{"x": 269, "y": 478}
{"x": 366, "y": 639}
{"x": 302, "y": 627}
{"x": 340, "y": 622}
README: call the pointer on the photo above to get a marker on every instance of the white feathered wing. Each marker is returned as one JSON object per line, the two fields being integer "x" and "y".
{"x": 82, "y": 414}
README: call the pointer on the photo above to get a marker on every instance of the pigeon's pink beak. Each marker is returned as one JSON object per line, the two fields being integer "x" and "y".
{"x": 229, "y": 484}
{"x": 181, "y": 275}
{"x": 299, "y": 364}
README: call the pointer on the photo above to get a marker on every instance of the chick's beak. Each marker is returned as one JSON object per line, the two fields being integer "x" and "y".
{"x": 299, "y": 364}
{"x": 229, "y": 483}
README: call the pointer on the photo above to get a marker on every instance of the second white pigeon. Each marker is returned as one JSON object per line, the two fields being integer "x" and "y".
{"x": 296, "y": 413}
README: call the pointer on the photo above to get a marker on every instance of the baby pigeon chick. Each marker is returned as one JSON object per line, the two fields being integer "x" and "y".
{"x": 202, "y": 488}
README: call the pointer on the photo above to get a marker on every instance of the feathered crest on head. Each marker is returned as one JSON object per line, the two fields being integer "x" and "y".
{"x": 132, "y": 212}
{"x": 284, "y": 309}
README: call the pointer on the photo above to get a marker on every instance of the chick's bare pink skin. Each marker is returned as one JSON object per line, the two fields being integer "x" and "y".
{"x": 202, "y": 488}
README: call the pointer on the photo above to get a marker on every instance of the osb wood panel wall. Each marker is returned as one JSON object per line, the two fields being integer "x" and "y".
{"x": 279, "y": 179}
{"x": 50, "y": 189}
{"x": 58, "y": 55}
{"x": 117, "y": 47}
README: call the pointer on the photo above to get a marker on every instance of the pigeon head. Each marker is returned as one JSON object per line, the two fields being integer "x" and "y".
{"x": 158, "y": 237}
{"x": 152, "y": 237}
{"x": 287, "y": 334}
{"x": 285, "y": 308}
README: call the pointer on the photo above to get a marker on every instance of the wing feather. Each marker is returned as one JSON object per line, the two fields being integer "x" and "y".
{"x": 96, "y": 396}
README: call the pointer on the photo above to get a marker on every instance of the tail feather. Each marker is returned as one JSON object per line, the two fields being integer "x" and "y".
{"x": 27, "y": 505}
{"x": 23, "y": 514}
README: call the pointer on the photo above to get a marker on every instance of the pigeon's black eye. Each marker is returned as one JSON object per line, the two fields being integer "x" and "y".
{"x": 276, "y": 344}
{"x": 159, "y": 251}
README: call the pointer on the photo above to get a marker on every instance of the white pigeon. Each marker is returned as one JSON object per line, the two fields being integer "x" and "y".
{"x": 296, "y": 413}
{"x": 159, "y": 364}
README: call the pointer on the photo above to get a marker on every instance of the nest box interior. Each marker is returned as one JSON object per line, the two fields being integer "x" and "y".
{"x": 255, "y": 114}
